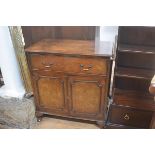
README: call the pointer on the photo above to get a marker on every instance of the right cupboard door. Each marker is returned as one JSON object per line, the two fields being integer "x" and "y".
{"x": 87, "y": 97}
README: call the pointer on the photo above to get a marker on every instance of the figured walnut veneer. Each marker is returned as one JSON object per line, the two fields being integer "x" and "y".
{"x": 70, "y": 78}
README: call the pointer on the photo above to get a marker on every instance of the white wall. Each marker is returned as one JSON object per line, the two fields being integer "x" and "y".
{"x": 105, "y": 34}
{"x": 10, "y": 70}
{"x": 13, "y": 84}
{"x": 108, "y": 33}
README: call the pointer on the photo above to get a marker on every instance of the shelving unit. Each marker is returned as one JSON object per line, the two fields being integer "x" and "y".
{"x": 133, "y": 105}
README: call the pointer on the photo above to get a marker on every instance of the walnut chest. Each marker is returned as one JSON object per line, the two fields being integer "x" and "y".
{"x": 70, "y": 78}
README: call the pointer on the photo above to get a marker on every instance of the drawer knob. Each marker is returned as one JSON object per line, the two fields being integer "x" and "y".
{"x": 126, "y": 117}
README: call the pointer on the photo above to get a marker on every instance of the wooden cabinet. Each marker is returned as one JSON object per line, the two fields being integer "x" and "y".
{"x": 70, "y": 78}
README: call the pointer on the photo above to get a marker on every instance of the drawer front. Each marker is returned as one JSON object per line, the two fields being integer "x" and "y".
{"x": 129, "y": 117}
{"x": 45, "y": 62}
{"x": 69, "y": 64}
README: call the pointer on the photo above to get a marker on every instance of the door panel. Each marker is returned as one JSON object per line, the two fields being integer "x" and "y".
{"x": 81, "y": 93}
{"x": 86, "y": 96}
{"x": 51, "y": 92}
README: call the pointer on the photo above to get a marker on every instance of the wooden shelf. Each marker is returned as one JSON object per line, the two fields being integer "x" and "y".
{"x": 136, "y": 49}
{"x": 134, "y": 73}
{"x": 133, "y": 93}
{"x": 136, "y": 99}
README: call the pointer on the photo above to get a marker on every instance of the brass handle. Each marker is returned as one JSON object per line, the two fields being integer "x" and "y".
{"x": 81, "y": 65}
{"x": 126, "y": 117}
{"x": 47, "y": 65}
{"x": 86, "y": 69}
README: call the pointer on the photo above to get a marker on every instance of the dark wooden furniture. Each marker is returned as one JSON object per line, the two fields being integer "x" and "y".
{"x": 33, "y": 34}
{"x": 70, "y": 78}
{"x": 1, "y": 79}
{"x": 133, "y": 105}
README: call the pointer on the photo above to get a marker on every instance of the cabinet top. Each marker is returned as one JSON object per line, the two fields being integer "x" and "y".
{"x": 72, "y": 47}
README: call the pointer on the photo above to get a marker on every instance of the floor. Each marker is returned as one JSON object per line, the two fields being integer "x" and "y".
{"x": 59, "y": 123}
{"x": 15, "y": 113}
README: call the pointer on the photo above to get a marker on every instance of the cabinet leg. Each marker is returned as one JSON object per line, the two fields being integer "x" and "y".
{"x": 100, "y": 124}
{"x": 39, "y": 116}
{"x": 39, "y": 119}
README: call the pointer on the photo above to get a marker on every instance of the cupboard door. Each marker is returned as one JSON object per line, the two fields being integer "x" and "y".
{"x": 87, "y": 97}
{"x": 51, "y": 92}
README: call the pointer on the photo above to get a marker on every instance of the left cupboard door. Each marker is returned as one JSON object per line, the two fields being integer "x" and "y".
{"x": 50, "y": 93}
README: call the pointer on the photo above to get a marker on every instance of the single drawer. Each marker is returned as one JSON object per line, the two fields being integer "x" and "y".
{"x": 69, "y": 64}
{"x": 129, "y": 117}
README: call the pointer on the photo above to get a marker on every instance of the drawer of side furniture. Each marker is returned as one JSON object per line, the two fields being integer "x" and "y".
{"x": 129, "y": 116}
{"x": 69, "y": 64}
{"x": 46, "y": 62}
